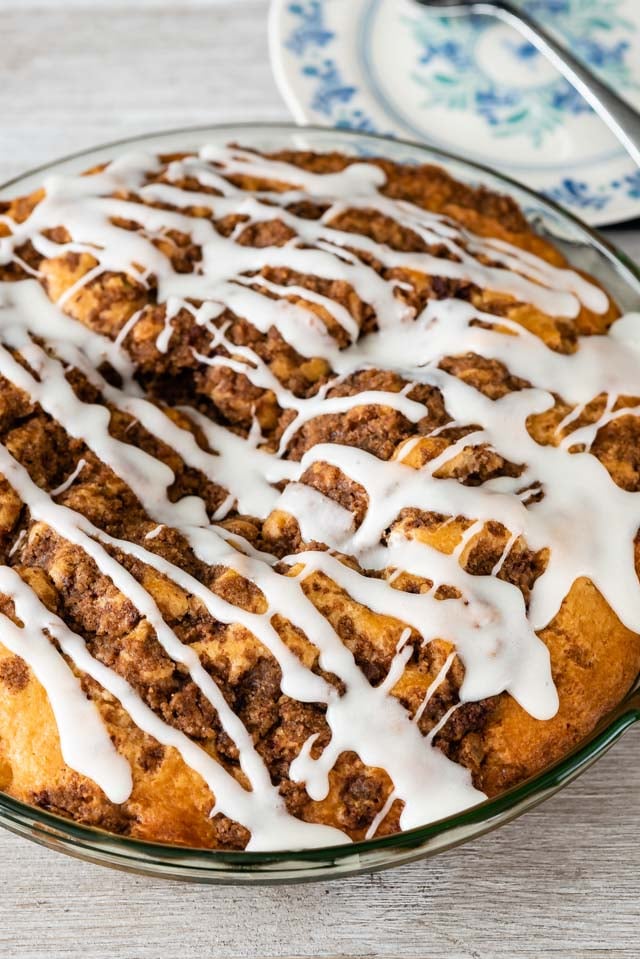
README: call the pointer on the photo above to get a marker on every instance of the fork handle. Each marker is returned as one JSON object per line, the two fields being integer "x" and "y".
{"x": 621, "y": 118}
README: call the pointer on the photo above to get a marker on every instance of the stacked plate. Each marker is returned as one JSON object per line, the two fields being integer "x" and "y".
{"x": 470, "y": 85}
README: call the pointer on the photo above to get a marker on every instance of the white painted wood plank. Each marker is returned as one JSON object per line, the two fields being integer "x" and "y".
{"x": 81, "y": 75}
{"x": 562, "y": 881}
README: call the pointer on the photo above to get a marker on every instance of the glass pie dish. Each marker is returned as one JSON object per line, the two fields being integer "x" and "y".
{"x": 585, "y": 250}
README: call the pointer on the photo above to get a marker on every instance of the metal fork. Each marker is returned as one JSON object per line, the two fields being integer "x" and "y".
{"x": 621, "y": 118}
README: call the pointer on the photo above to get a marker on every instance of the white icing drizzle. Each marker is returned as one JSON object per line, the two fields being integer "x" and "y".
{"x": 127, "y": 327}
{"x": 71, "y": 478}
{"x": 437, "y": 682}
{"x": 84, "y": 741}
{"x": 260, "y": 809}
{"x": 18, "y": 542}
{"x": 489, "y": 626}
{"x": 380, "y": 816}
{"x": 155, "y": 532}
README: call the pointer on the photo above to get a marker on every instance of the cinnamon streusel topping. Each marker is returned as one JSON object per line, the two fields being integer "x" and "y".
{"x": 318, "y": 498}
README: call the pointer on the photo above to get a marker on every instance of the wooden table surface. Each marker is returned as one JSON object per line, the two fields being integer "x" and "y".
{"x": 562, "y": 881}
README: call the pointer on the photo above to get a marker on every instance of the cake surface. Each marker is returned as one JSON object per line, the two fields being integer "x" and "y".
{"x": 318, "y": 498}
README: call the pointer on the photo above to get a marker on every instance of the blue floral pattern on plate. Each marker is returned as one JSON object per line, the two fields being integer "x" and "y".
{"x": 473, "y": 77}
{"x": 331, "y": 96}
{"x": 455, "y": 77}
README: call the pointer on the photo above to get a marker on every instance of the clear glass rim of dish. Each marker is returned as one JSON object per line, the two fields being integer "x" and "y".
{"x": 219, "y": 866}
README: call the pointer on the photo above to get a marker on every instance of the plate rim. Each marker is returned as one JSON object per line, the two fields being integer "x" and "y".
{"x": 625, "y": 209}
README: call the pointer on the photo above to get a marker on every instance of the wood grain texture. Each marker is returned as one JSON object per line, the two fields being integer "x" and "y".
{"x": 562, "y": 881}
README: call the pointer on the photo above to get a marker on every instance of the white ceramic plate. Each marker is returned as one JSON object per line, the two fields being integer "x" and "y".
{"x": 473, "y": 86}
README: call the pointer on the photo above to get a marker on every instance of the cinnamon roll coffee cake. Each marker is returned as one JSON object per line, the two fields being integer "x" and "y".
{"x": 318, "y": 498}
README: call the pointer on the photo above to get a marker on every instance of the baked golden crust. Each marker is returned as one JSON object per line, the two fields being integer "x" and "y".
{"x": 594, "y": 657}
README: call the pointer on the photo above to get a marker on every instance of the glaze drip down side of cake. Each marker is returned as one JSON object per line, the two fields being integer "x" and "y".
{"x": 318, "y": 507}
